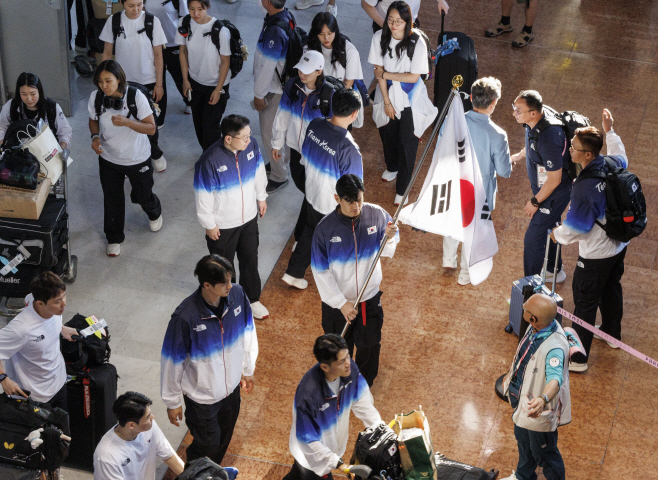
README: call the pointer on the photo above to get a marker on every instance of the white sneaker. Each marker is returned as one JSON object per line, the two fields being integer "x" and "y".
{"x": 464, "y": 278}
{"x": 389, "y": 176}
{"x": 114, "y": 249}
{"x": 561, "y": 276}
{"x": 188, "y": 110}
{"x": 160, "y": 164}
{"x": 511, "y": 477}
{"x": 299, "y": 283}
{"x": 156, "y": 225}
{"x": 304, "y": 4}
{"x": 447, "y": 264}
{"x": 160, "y": 127}
{"x": 259, "y": 311}
{"x": 398, "y": 199}
{"x": 577, "y": 367}
{"x": 611, "y": 345}
{"x": 333, "y": 9}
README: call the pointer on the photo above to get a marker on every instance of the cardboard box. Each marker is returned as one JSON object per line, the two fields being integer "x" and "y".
{"x": 22, "y": 203}
{"x": 99, "y": 7}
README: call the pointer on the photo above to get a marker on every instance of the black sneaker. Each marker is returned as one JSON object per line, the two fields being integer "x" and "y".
{"x": 275, "y": 186}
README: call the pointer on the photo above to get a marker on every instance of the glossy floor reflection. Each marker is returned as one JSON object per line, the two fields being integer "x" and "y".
{"x": 443, "y": 344}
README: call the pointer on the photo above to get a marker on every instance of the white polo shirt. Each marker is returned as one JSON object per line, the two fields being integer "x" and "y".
{"x": 30, "y": 353}
{"x": 117, "y": 459}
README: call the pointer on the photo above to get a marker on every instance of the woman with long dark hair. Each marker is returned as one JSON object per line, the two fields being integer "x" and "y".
{"x": 341, "y": 58}
{"x": 402, "y": 110}
{"x": 119, "y": 135}
{"x": 31, "y": 103}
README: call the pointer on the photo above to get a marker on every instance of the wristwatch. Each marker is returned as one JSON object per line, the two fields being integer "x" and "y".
{"x": 2, "y": 377}
{"x": 95, "y": 135}
{"x": 534, "y": 202}
{"x": 340, "y": 462}
{"x": 545, "y": 397}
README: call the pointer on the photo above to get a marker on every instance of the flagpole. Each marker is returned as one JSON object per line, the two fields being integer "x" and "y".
{"x": 457, "y": 82}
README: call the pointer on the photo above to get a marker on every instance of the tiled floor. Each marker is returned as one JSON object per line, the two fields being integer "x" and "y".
{"x": 443, "y": 345}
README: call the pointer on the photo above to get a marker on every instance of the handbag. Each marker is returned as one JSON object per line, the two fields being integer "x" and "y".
{"x": 19, "y": 168}
{"x": 41, "y": 143}
{"x": 417, "y": 453}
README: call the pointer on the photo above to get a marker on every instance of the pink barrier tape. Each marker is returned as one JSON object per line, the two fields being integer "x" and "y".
{"x": 607, "y": 337}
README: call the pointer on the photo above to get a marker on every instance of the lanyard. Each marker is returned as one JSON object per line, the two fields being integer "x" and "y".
{"x": 518, "y": 364}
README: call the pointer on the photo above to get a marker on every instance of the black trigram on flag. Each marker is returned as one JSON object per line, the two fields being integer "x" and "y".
{"x": 461, "y": 150}
{"x": 443, "y": 197}
{"x": 486, "y": 214}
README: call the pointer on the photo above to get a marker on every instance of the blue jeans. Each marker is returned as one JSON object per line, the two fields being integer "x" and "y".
{"x": 538, "y": 448}
{"x": 534, "y": 243}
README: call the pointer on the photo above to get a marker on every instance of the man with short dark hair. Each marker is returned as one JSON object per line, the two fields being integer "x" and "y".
{"x": 29, "y": 345}
{"x": 208, "y": 353}
{"x": 600, "y": 266}
{"x": 492, "y": 150}
{"x": 537, "y": 386}
{"x": 345, "y": 244}
{"x": 546, "y": 156}
{"x": 129, "y": 450}
{"x": 229, "y": 189}
{"x": 269, "y": 61}
{"x": 328, "y": 153}
{"x": 321, "y": 410}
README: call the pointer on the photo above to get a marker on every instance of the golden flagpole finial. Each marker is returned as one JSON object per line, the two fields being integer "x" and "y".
{"x": 457, "y": 81}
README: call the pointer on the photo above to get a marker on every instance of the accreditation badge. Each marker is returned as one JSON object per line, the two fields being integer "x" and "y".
{"x": 542, "y": 175}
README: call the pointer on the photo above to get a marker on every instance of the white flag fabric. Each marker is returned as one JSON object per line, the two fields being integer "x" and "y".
{"x": 453, "y": 201}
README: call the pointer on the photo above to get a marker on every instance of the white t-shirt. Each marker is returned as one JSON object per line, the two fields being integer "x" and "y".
{"x": 353, "y": 70}
{"x": 117, "y": 459}
{"x": 122, "y": 145}
{"x": 30, "y": 353}
{"x": 134, "y": 51}
{"x": 382, "y": 7}
{"x": 202, "y": 54}
{"x": 168, "y": 17}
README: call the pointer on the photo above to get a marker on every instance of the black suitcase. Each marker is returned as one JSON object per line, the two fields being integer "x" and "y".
{"x": 462, "y": 62}
{"x": 17, "y": 285}
{"x": 447, "y": 469}
{"x": 20, "y": 417}
{"x": 43, "y": 238}
{"x": 10, "y": 472}
{"x": 90, "y": 396}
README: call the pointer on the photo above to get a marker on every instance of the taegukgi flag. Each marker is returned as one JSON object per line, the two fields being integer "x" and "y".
{"x": 453, "y": 201}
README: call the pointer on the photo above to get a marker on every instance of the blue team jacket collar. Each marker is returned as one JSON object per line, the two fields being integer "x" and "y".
{"x": 336, "y": 128}
{"x": 327, "y": 393}
{"x": 596, "y": 164}
{"x": 204, "y": 311}
{"x": 347, "y": 221}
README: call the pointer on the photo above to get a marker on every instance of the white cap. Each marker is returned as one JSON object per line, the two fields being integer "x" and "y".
{"x": 311, "y": 61}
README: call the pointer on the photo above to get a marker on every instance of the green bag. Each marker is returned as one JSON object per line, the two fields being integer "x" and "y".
{"x": 417, "y": 453}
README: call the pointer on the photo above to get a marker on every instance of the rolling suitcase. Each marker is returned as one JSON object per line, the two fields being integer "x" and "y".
{"x": 462, "y": 62}
{"x": 524, "y": 288}
{"x": 90, "y": 396}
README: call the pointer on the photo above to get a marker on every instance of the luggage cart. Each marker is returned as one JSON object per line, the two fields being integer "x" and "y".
{"x": 12, "y": 306}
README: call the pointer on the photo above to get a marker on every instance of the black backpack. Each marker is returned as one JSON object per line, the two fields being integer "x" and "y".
{"x": 132, "y": 103}
{"x": 117, "y": 28}
{"x": 239, "y": 52}
{"x": 20, "y": 417}
{"x": 51, "y": 115}
{"x": 626, "y": 208}
{"x": 331, "y": 85}
{"x": 447, "y": 469}
{"x": 297, "y": 39}
{"x": 417, "y": 34}
{"x": 377, "y": 448}
{"x": 85, "y": 351}
{"x": 569, "y": 121}
{"x": 203, "y": 469}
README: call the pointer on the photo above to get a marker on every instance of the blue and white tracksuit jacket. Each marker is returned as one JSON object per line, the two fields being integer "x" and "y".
{"x": 588, "y": 205}
{"x": 296, "y": 110}
{"x": 328, "y": 153}
{"x": 343, "y": 250}
{"x": 271, "y": 51}
{"x": 203, "y": 356}
{"x": 321, "y": 419}
{"x": 228, "y": 184}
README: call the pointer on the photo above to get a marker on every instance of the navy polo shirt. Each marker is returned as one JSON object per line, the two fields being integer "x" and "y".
{"x": 553, "y": 149}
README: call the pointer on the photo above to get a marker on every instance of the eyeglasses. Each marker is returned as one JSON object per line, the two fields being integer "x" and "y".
{"x": 532, "y": 317}
{"x": 244, "y": 139}
{"x": 397, "y": 23}
{"x": 571, "y": 149}
{"x": 519, "y": 112}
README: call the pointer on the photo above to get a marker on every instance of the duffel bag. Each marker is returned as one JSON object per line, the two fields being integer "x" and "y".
{"x": 90, "y": 350}
{"x": 22, "y": 422}
{"x": 204, "y": 469}
{"x": 377, "y": 448}
{"x": 447, "y": 469}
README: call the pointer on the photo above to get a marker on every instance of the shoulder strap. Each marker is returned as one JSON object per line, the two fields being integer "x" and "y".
{"x": 98, "y": 103}
{"x": 116, "y": 25}
{"x": 176, "y": 4}
{"x": 326, "y": 92}
{"x": 186, "y": 23}
{"x": 51, "y": 115}
{"x": 411, "y": 48}
{"x": 281, "y": 23}
{"x": 214, "y": 32}
{"x": 148, "y": 26}
{"x": 132, "y": 104}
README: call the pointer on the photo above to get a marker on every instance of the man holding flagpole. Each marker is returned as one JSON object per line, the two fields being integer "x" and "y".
{"x": 492, "y": 150}
{"x": 345, "y": 244}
